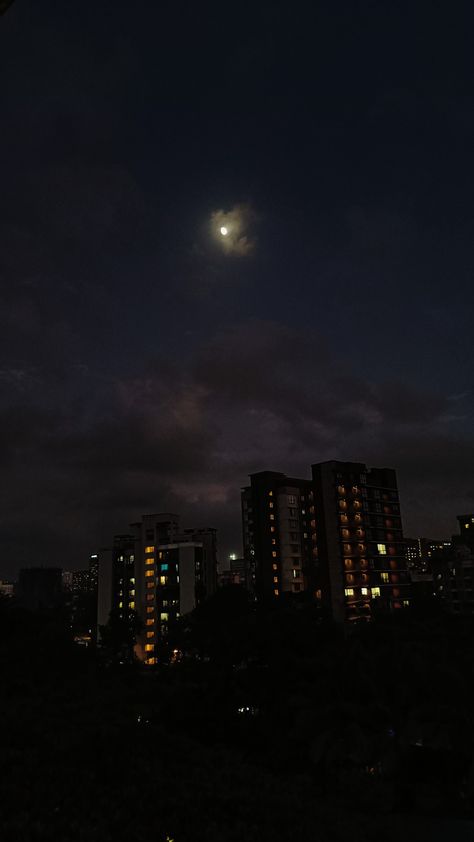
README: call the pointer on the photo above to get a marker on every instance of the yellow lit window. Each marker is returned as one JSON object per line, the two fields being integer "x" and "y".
{"x": 131, "y": 604}
{"x": 150, "y": 549}
{"x": 149, "y": 647}
{"x": 132, "y": 592}
{"x": 120, "y": 604}
{"x": 275, "y": 579}
{"x": 160, "y": 554}
{"x": 364, "y": 591}
{"x": 274, "y": 554}
{"x": 349, "y": 591}
{"x": 150, "y": 622}
{"x": 152, "y": 661}
{"x": 382, "y": 549}
{"x": 132, "y": 581}
{"x": 375, "y": 592}
{"x": 150, "y": 597}
{"x": 148, "y": 572}
{"x": 150, "y": 560}
{"x": 406, "y": 603}
{"x": 270, "y": 493}
{"x": 150, "y": 584}
{"x": 163, "y": 580}
{"x": 150, "y": 634}
{"x": 149, "y": 609}
{"x": 384, "y": 577}
{"x": 164, "y": 616}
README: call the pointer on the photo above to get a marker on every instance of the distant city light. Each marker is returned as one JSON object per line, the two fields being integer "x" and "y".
{"x": 232, "y": 557}
{"x": 224, "y": 231}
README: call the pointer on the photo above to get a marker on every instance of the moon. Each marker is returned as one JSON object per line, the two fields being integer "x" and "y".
{"x": 224, "y": 230}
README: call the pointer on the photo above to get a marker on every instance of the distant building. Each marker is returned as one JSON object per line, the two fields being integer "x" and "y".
{"x": 336, "y": 539}
{"x": 452, "y": 566}
{"x": 158, "y": 571}
{"x": 420, "y": 551}
{"x": 7, "y": 588}
{"x": 40, "y": 588}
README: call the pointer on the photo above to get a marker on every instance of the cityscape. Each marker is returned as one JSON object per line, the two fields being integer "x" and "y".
{"x": 335, "y": 541}
{"x": 236, "y": 421}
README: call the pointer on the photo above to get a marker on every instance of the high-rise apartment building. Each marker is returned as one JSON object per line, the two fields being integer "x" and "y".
{"x": 158, "y": 571}
{"x": 336, "y": 538}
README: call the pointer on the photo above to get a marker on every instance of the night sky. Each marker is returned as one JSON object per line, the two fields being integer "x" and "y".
{"x": 148, "y": 363}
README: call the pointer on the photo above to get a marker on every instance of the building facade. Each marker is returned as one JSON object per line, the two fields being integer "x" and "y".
{"x": 336, "y": 538}
{"x": 156, "y": 572}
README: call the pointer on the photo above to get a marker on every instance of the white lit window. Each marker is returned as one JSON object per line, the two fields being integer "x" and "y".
{"x": 364, "y": 591}
{"x": 349, "y": 591}
{"x": 375, "y": 592}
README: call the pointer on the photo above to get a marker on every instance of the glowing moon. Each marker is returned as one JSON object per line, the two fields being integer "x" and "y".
{"x": 224, "y": 231}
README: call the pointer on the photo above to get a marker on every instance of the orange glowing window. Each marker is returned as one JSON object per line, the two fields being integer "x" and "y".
{"x": 274, "y": 554}
{"x": 150, "y": 584}
{"x": 150, "y": 549}
{"x": 149, "y": 647}
{"x": 274, "y": 540}
{"x": 150, "y": 597}
{"x": 150, "y": 610}
{"x": 150, "y": 622}
{"x": 275, "y": 579}
{"x": 150, "y": 560}
{"x": 149, "y": 573}
{"x": 151, "y": 661}
{"x": 276, "y": 592}
{"x": 150, "y": 634}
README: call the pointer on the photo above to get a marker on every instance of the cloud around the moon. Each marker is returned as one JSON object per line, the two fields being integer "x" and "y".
{"x": 238, "y": 240}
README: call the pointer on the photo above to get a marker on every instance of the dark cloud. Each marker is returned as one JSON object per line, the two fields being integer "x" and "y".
{"x": 184, "y": 435}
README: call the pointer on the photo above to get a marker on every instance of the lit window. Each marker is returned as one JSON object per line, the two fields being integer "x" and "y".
{"x": 274, "y": 541}
{"x": 150, "y": 634}
{"x": 270, "y": 493}
{"x": 275, "y": 579}
{"x": 152, "y": 661}
{"x": 275, "y": 566}
{"x": 150, "y": 610}
{"x": 163, "y": 580}
{"x": 132, "y": 592}
{"x": 149, "y": 573}
{"x": 364, "y": 591}
{"x": 120, "y": 604}
{"x": 406, "y": 603}
{"x": 150, "y": 597}
{"x": 349, "y": 591}
{"x": 382, "y": 549}
{"x": 131, "y": 604}
{"x": 150, "y": 560}
{"x": 375, "y": 592}
{"x": 274, "y": 554}
{"x": 132, "y": 581}
{"x": 272, "y": 529}
{"x": 276, "y": 592}
{"x": 384, "y": 577}
{"x": 149, "y": 647}
{"x": 272, "y": 517}
{"x": 149, "y": 550}
{"x": 164, "y": 567}
{"x": 270, "y": 505}
{"x": 296, "y": 573}
{"x": 150, "y": 622}
{"x": 164, "y": 616}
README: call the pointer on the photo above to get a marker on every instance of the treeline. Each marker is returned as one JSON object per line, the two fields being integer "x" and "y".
{"x": 255, "y": 726}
